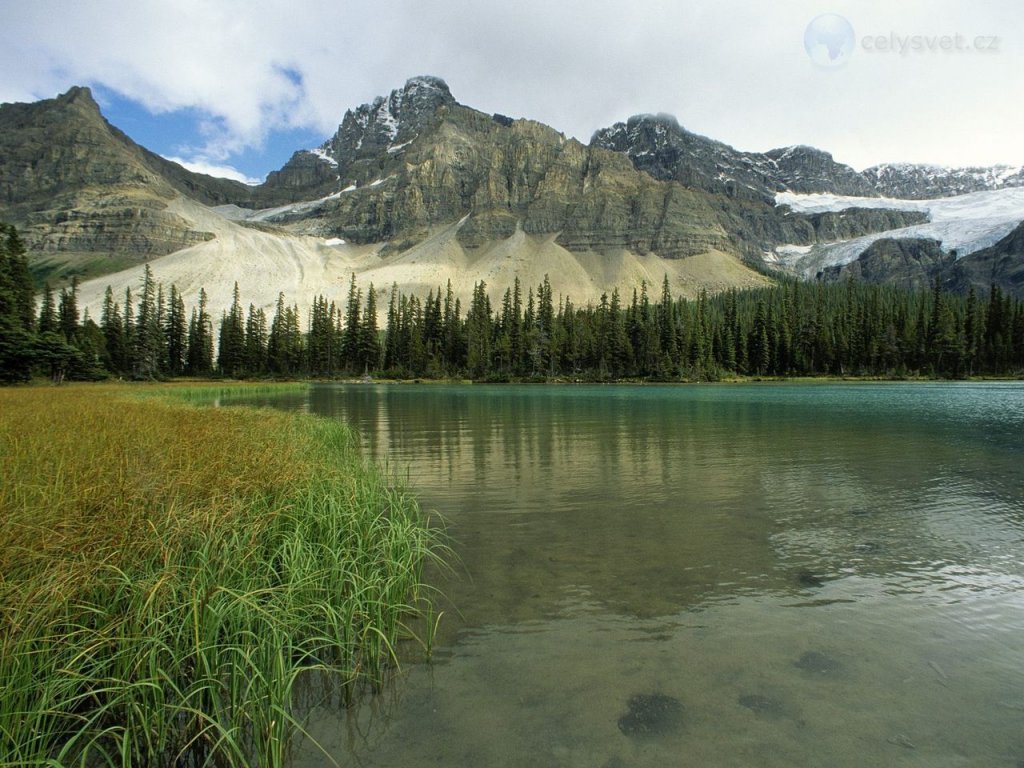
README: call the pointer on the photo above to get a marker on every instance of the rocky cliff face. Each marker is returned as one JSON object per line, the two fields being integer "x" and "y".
{"x": 925, "y": 182}
{"x": 908, "y": 263}
{"x": 84, "y": 195}
{"x": 658, "y": 145}
{"x": 1002, "y": 264}
{"x": 418, "y": 159}
{"x": 808, "y": 170}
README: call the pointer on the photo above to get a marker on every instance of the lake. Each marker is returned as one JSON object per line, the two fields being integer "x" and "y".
{"x": 722, "y": 575}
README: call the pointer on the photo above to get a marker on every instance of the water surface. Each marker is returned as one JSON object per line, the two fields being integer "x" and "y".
{"x": 770, "y": 575}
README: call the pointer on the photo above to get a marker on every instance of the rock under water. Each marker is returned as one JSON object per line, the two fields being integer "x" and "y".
{"x": 762, "y": 705}
{"x": 818, "y": 663}
{"x": 651, "y": 714}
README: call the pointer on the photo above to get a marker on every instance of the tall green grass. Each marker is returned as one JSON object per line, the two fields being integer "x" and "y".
{"x": 170, "y": 574}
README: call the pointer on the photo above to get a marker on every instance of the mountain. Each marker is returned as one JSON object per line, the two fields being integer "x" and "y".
{"x": 906, "y": 262}
{"x": 922, "y": 182}
{"x": 954, "y": 230}
{"x": 86, "y": 198}
{"x": 1001, "y": 264}
{"x": 658, "y": 145}
{"x": 416, "y": 189}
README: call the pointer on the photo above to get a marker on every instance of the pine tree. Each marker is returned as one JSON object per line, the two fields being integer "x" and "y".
{"x": 176, "y": 334}
{"x": 19, "y": 346}
{"x": 351, "y": 334}
{"x": 369, "y": 341}
{"x": 759, "y": 344}
{"x": 17, "y": 293}
{"x": 973, "y": 331}
{"x": 112, "y": 326}
{"x": 320, "y": 339}
{"x": 200, "y": 339}
{"x": 48, "y": 312}
{"x": 255, "y": 346}
{"x": 478, "y": 333}
{"x": 148, "y": 333}
{"x": 231, "y": 348}
{"x": 67, "y": 312}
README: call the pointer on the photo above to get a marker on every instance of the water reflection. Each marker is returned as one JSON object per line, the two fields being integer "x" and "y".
{"x": 818, "y": 575}
{"x": 659, "y": 498}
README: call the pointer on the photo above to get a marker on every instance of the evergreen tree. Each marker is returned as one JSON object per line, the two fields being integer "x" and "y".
{"x": 112, "y": 326}
{"x": 478, "y": 333}
{"x": 200, "y": 339}
{"x": 320, "y": 339}
{"x": 148, "y": 338}
{"x": 255, "y": 346}
{"x": 17, "y": 293}
{"x": 176, "y": 334}
{"x": 369, "y": 341}
{"x": 19, "y": 348}
{"x": 48, "y": 312}
{"x": 129, "y": 330}
{"x": 67, "y": 312}
{"x": 231, "y": 347}
{"x": 350, "y": 334}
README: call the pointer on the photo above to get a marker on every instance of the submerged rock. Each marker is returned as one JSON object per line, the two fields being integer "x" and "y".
{"x": 806, "y": 578}
{"x": 762, "y": 705}
{"x": 651, "y": 714}
{"x": 818, "y": 663}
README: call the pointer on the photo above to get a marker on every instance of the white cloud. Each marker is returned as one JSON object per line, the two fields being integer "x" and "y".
{"x": 733, "y": 69}
{"x": 202, "y": 165}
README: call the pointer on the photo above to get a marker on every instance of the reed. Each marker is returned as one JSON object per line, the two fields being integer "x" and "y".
{"x": 170, "y": 574}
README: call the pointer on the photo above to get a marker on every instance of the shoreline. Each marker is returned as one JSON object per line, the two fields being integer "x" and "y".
{"x": 172, "y": 570}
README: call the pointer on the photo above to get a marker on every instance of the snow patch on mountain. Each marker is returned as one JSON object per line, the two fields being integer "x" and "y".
{"x": 321, "y": 153}
{"x": 962, "y": 224}
{"x": 234, "y": 213}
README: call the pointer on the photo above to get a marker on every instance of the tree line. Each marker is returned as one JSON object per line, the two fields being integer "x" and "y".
{"x": 791, "y": 329}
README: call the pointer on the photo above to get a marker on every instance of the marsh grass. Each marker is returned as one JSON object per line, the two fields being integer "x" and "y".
{"x": 170, "y": 573}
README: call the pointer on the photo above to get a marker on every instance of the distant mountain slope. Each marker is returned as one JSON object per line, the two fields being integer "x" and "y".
{"x": 267, "y": 261}
{"x": 922, "y": 182}
{"x": 958, "y": 229}
{"x": 658, "y": 145}
{"x": 415, "y": 178}
{"x": 86, "y": 198}
{"x": 1001, "y": 264}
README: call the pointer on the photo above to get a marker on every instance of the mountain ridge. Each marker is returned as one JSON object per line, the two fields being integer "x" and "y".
{"x": 405, "y": 166}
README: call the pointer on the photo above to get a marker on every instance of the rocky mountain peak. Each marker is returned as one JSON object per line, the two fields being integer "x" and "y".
{"x": 659, "y": 146}
{"x": 78, "y": 94}
{"x": 800, "y": 168}
{"x": 925, "y": 181}
{"x": 370, "y": 129}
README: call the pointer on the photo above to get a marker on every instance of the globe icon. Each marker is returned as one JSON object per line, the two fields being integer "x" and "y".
{"x": 829, "y": 40}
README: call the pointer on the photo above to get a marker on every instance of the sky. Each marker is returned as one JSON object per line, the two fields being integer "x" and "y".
{"x": 233, "y": 87}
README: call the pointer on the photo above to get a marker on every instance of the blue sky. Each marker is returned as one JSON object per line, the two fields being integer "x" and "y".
{"x": 235, "y": 86}
{"x": 180, "y": 135}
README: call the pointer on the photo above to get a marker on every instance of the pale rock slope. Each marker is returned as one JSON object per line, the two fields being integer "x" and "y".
{"x": 267, "y": 261}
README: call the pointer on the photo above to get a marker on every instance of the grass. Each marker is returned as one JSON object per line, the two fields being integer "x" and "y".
{"x": 170, "y": 573}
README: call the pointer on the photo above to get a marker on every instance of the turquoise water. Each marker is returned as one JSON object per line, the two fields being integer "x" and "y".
{"x": 764, "y": 575}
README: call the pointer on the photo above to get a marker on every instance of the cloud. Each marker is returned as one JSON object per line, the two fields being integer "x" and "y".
{"x": 733, "y": 69}
{"x": 202, "y": 165}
